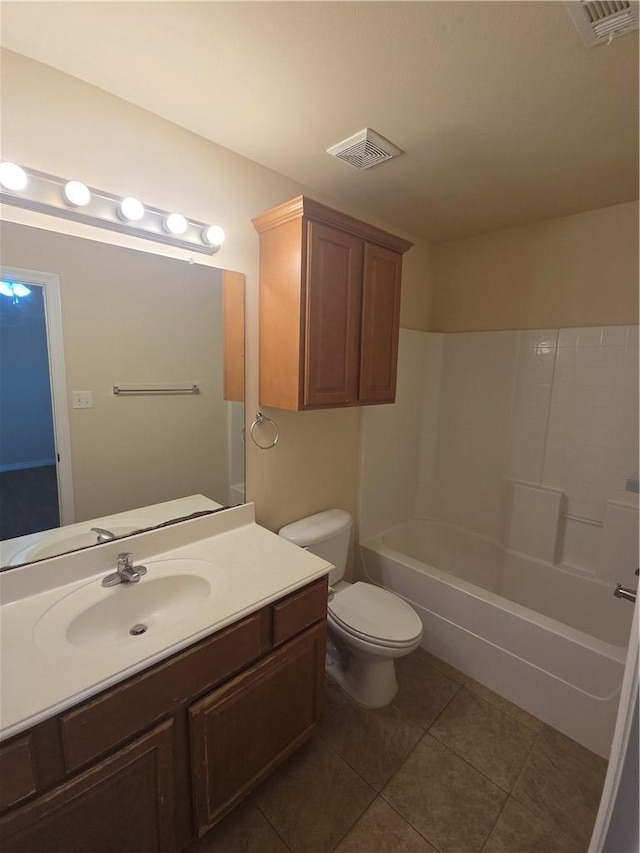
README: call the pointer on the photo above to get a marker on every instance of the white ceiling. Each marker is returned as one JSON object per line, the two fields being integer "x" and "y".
{"x": 505, "y": 117}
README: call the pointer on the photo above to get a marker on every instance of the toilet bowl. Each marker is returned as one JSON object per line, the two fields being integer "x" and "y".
{"x": 368, "y": 627}
{"x": 371, "y": 627}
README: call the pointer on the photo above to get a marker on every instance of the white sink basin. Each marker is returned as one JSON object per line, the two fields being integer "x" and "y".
{"x": 94, "y": 617}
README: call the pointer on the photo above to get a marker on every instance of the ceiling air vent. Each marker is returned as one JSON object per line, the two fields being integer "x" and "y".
{"x": 364, "y": 149}
{"x": 603, "y": 20}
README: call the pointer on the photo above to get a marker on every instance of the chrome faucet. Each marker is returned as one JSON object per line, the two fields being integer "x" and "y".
{"x": 103, "y": 534}
{"x": 125, "y": 572}
{"x": 626, "y": 593}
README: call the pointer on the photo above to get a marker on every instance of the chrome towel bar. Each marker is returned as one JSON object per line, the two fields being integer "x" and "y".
{"x": 149, "y": 390}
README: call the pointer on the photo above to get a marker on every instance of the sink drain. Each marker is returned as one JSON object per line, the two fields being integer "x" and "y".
{"x": 138, "y": 629}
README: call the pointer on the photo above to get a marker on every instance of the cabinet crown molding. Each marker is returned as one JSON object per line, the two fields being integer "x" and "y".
{"x": 304, "y": 207}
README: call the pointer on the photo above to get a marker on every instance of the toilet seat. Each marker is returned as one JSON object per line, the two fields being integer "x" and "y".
{"x": 375, "y": 615}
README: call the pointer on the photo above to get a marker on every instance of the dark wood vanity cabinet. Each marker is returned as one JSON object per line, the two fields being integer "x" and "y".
{"x": 241, "y": 731}
{"x": 329, "y": 306}
{"x": 124, "y": 803}
{"x": 154, "y": 762}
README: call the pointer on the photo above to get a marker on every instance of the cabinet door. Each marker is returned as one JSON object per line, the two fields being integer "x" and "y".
{"x": 17, "y": 772}
{"x": 240, "y": 732}
{"x": 122, "y": 804}
{"x": 233, "y": 335}
{"x": 332, "y": 326}
{"x": 380, "y": 324}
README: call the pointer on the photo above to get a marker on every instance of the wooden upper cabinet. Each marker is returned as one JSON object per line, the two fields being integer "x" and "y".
{"x": 233, "y": 334}
{"x": 329, "y": 308}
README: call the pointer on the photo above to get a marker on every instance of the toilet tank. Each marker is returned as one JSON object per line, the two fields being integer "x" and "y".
{"x": 325, "y": 534}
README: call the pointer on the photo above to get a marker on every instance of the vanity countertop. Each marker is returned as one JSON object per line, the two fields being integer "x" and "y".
{"x": 249, "y": 567}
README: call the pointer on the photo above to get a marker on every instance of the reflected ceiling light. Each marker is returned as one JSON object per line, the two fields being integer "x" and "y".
{"x": 131, "y": 209}
{"x": 76, "y": 193}
{"x": 13, "y": 289}
{"x": 213, "y": 235}
{"x": 74, "y": 200}
{"x": 176, "y": 224}
{"x": 12, "y": 177}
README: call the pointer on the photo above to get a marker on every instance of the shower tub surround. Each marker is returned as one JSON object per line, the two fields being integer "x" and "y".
{"x": 510, "y": 532}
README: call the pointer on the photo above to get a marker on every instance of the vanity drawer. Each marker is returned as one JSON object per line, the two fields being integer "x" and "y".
{"x": 299, "y": 610}
{"x": 17, "y": 776}
{"x": 106, "y": 721}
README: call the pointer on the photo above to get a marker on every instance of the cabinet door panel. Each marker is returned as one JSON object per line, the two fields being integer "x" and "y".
{"x": 240, "y": 732}
{"x": 123, "y": 804}
{"x": 17, "y": 776}
{"x": 333, "y": 299}
{"x": 380, "y": 324}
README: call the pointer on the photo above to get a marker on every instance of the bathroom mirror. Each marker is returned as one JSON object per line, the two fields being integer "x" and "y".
{"x": 153, "y": 363}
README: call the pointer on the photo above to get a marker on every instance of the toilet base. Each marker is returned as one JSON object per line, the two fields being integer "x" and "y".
{"x": 370, "y": 682}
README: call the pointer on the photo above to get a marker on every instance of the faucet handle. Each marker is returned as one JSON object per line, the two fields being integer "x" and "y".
{"x": 104, "y": 535}
{"x": 126, "y": 571}
{"x": 125, "y": 561}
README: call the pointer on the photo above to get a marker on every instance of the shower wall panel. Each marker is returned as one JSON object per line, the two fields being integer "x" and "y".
{"x": 480, "y": 412}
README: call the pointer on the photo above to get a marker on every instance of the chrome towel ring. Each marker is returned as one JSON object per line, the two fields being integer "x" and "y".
{"x": 259, "y": 420}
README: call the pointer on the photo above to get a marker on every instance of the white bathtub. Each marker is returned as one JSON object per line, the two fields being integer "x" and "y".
{"x": 551, "y": 640}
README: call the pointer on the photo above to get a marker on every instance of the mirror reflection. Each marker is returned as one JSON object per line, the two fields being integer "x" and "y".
{"x": 82, "y": 320}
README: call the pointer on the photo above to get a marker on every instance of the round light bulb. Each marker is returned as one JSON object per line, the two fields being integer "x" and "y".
{"x": 76, "y": 193}
{"x": 12, "y": 177}
{"x": 131, "y": 209}
{"x": 213, "y": 235}
{"x": 176, "y": 224}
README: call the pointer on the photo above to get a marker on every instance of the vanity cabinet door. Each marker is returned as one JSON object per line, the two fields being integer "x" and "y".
{"x": 125, "y": 803}
{"x": 241, "y": 731}
{"x": 17, "y": 772}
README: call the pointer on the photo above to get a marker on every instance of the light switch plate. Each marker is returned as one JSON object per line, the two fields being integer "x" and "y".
{"x": 83, "y": 399}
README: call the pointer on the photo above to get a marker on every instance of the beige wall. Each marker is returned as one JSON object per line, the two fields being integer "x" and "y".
{"x": 580, "y": 270}
{"x": 416, "y": 310}
{"x": 57, "y": 124}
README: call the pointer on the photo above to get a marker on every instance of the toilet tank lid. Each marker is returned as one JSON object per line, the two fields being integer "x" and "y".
{"x": 316, "y": 528}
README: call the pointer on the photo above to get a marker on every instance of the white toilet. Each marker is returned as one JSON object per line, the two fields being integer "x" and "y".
{"x": 368, "y": 626}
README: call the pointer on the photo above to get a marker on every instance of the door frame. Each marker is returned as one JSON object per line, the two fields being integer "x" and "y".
{"x": 624, "y": 742}
{"x": 57, "y": 380}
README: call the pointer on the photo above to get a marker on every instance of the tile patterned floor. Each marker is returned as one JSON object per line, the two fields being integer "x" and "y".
{"x": 449, "y": 766}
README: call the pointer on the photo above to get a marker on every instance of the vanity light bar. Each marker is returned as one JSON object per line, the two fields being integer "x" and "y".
{"x": 73, "y": 200}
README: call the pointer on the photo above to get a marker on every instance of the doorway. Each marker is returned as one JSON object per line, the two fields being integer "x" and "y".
{"x": 35, "y": 462}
